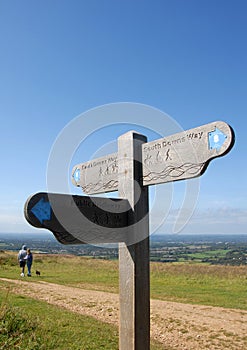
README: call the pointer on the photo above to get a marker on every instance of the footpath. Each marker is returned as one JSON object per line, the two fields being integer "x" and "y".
{"x": 180, "y": 326}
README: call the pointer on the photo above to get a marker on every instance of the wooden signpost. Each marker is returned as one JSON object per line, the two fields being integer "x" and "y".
{"x": 177, "y": 157}
{"x": 130, "y": 171}
{"x": 79, "y": 219}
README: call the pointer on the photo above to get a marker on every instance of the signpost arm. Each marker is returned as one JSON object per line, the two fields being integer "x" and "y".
{"x": 134, "y": 276}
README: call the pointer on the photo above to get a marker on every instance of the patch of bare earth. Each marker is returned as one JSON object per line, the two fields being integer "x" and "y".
{"x": 176, "y": 325}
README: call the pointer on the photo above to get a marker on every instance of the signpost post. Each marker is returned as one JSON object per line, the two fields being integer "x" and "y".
{"x": 137, "y": 165}
{"x": 134, "y": 281}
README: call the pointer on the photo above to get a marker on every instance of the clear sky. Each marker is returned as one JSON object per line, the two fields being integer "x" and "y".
{"x": 60, "y": 58}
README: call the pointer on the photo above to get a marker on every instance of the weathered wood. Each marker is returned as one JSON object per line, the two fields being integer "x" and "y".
{"x": 185, "y": 155}
{"x": 138, "y": 164}
{"x": 79, "y": 219}
{"x": 98, "y": 175}
{"x": 134, "y": 280}
{"x": 177, "y": 157}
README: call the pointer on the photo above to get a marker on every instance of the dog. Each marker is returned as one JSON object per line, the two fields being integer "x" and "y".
{"x": 37, "y": 273}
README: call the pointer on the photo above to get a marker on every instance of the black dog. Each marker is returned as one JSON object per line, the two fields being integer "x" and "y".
{"x": 37, "y": 273}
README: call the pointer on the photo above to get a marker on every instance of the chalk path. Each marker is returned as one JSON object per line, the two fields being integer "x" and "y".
{"x": 176, "y": 325}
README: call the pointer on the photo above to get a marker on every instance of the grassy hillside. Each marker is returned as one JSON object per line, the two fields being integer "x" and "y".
{"x": 215, "y": 285}
{"x": 28, "y": 324}
{"x": 184, "y": 282}
{"x": 34, "y": 325}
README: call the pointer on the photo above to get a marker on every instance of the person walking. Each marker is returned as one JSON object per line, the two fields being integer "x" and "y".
{"x": 21, "y": 258}
{"x": 29, "y": 260}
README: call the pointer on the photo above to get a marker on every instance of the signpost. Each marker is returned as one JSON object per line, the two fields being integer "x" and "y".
{"x": 97, "y": 176}
{"x": 136, "y": 165}
{"x": 186, "y": 154}
{"x": 177, "y": 157}
{"x": 79, "y": 219}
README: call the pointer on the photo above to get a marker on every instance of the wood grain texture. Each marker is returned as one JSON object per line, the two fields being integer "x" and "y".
{"x": 134, "y": 279}
{"x": 98, "y": 175}
{"x": 79, "y": 219}
{"x": 176, "y": 157}
{"x": 185, "y": 155}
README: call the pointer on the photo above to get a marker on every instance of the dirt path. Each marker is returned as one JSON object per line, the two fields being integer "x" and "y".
{"x": 180, "y": 326}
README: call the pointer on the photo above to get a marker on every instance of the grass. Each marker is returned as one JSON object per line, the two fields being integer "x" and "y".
{"x": 213, "y": 285}
{"x": 68, "y": 270}
{"x": 30, "y": 324}
{"x": 35, "y": 325}
{"x": 38, "y": 325}
{"x": 195, "y": 283}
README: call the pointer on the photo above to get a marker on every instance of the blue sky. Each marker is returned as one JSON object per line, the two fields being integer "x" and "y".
{"x": 60, "y": 58}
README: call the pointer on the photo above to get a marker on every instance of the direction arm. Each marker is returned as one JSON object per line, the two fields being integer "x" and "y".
{"x": 185, "y": 155}
{"x": 79, "y": 219}
{"x": 98, "y": 175}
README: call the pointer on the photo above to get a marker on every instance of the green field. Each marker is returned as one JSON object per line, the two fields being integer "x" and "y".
{"x": 209, "y": 254}
{"x": 195, "y": 283}
{"x": 29, "y": 324}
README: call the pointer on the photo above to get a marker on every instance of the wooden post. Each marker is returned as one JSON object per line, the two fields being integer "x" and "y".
{"x": 134, "y": 276}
